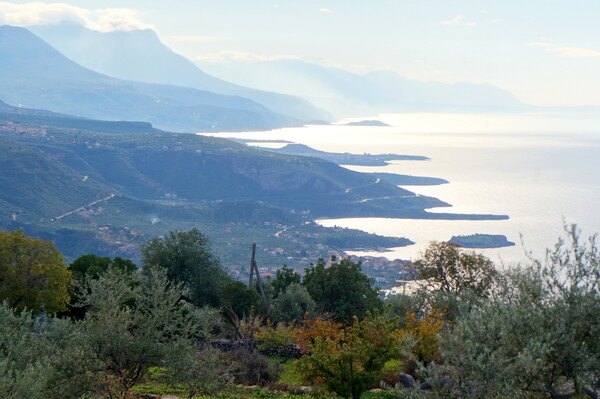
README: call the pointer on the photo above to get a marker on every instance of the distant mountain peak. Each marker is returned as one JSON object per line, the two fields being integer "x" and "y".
{"x": 139, "y": 55}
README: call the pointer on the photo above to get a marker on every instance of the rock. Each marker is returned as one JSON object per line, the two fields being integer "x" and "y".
{"x": 407, "y": 381}
{"x": 426, "y": 386}
{"x": 305, "y": 390}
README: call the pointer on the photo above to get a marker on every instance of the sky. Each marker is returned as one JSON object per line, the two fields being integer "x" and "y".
{"x": 546, "y": 52}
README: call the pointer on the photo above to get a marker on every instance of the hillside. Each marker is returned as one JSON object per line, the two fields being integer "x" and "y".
{"x": 34, "y": 75}
{"x": 37, "y": 117}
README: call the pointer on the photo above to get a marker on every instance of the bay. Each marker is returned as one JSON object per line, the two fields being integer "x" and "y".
{"x": 542, "y": 170}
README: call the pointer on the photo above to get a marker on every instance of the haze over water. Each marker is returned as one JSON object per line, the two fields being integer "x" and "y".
{"x": 540, "y": 170}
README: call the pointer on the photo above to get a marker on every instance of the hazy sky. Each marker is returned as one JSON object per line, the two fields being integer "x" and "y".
{"x": 547, "y": 52}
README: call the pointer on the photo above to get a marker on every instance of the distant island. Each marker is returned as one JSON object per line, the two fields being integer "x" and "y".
{"x": 366, "y": 123}
{"x": 481, "y": 241}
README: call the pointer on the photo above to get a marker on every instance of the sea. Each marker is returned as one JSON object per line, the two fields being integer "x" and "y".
{"x": 540, "y": 169}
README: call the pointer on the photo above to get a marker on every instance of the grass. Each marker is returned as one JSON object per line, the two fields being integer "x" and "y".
{"x": 154, "y": 384}
{"x": 289, "y": 376}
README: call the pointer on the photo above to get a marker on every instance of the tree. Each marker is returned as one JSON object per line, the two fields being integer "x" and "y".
{"x": 33, "y": 274}
{"x": 239, "y": 299}
{"x": 348, "y": 361}
{"x": 293, "y": 304}
{"x": 447, "y": 268}
{"x": 203, "y": 372}
{"x": 129, "y": 329}
{"x": 41, "y": 357}
{"x": 188, "y": 259}
{"x": 283, "y": 278}
{"x": 92, "y": 266}
{"x": 540, "y": 333}
{"x": 342, "y": 289}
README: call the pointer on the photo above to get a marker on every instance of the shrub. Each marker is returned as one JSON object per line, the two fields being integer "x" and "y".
{"x": 251, "y": 368}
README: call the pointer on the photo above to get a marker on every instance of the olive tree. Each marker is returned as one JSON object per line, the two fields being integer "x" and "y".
{"x": 132, "y": 327}
{"x": 447, "y": 268}
{"x": 188, "y": 259}
{"x": 541, "y": 333}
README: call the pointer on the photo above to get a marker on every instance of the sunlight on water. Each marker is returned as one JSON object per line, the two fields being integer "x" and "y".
{"x": 540, "y": 170}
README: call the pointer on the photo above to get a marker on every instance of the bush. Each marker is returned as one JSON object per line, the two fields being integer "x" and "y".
{"x": 277, "y": 340}
{"x": 540, "y": 333}
{"x": 251, "y": 368}
{"x": 348, "y": 361}
{"x": 201, "y": 372}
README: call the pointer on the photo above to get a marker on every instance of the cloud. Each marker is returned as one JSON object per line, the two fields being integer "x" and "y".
{"x": 326, "y": 10}
{"x": 195, "y": 39}
{"x": 472, "y": 24}
{"x": 575, "y": 52}
{"x": 454, "y": 20}
{"x": 569, "y": 52}
{"x": 38, "y": 13}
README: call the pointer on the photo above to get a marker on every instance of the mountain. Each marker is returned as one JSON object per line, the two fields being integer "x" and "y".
{"x": 34, "y": 75}
{"x": 349, "y": 94}
{"x": 34, "y": 186}
{"x": 185, "y": 167}
{"x": 43, "y": 118}
{"x": 139, "y": 55}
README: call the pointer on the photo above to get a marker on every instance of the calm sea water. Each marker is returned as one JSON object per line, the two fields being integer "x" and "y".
{"x": 541, "y": 170}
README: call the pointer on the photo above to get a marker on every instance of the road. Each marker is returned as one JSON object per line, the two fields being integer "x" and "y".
{"x": 83, "y": 207}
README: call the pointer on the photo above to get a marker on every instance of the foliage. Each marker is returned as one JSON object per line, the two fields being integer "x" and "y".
{"x": 188, "y": 259}
{"x": 449, "y": 269}
{"x": 342, "y": 289}
{"x": 240, "y": 299}
{"x": 347, "y": 360}
{"x": 92, "y": 266}
{"x": 22, "y": 370}
{"x": 33, "y": 274}
{"x": 41, "y": 357}
{"x": 274, "y": 336}
{"x": 400, "y": 305}
{"x": 423, "y": 334}
{"x": 542, "y": 331}
{"x": 284, "y": 277}
{"x": 251, "y": 368}
{"x": 202, "y": 372}
{"x": 293, "y": 304}
{"x": 129, "y": 329}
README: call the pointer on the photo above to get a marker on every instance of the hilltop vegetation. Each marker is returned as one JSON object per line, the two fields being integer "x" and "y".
{"x": 182, "y": 326}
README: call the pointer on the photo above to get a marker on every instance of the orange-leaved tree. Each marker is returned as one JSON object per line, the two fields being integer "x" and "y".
{"x": 422, "y": 335}
{"x": 349, "y": 360}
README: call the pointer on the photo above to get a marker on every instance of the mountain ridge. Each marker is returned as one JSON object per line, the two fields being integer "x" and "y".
{"x": 35, "y": 75}
{"x": 350, "y": 94}
{"x": 139, "y": 55}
